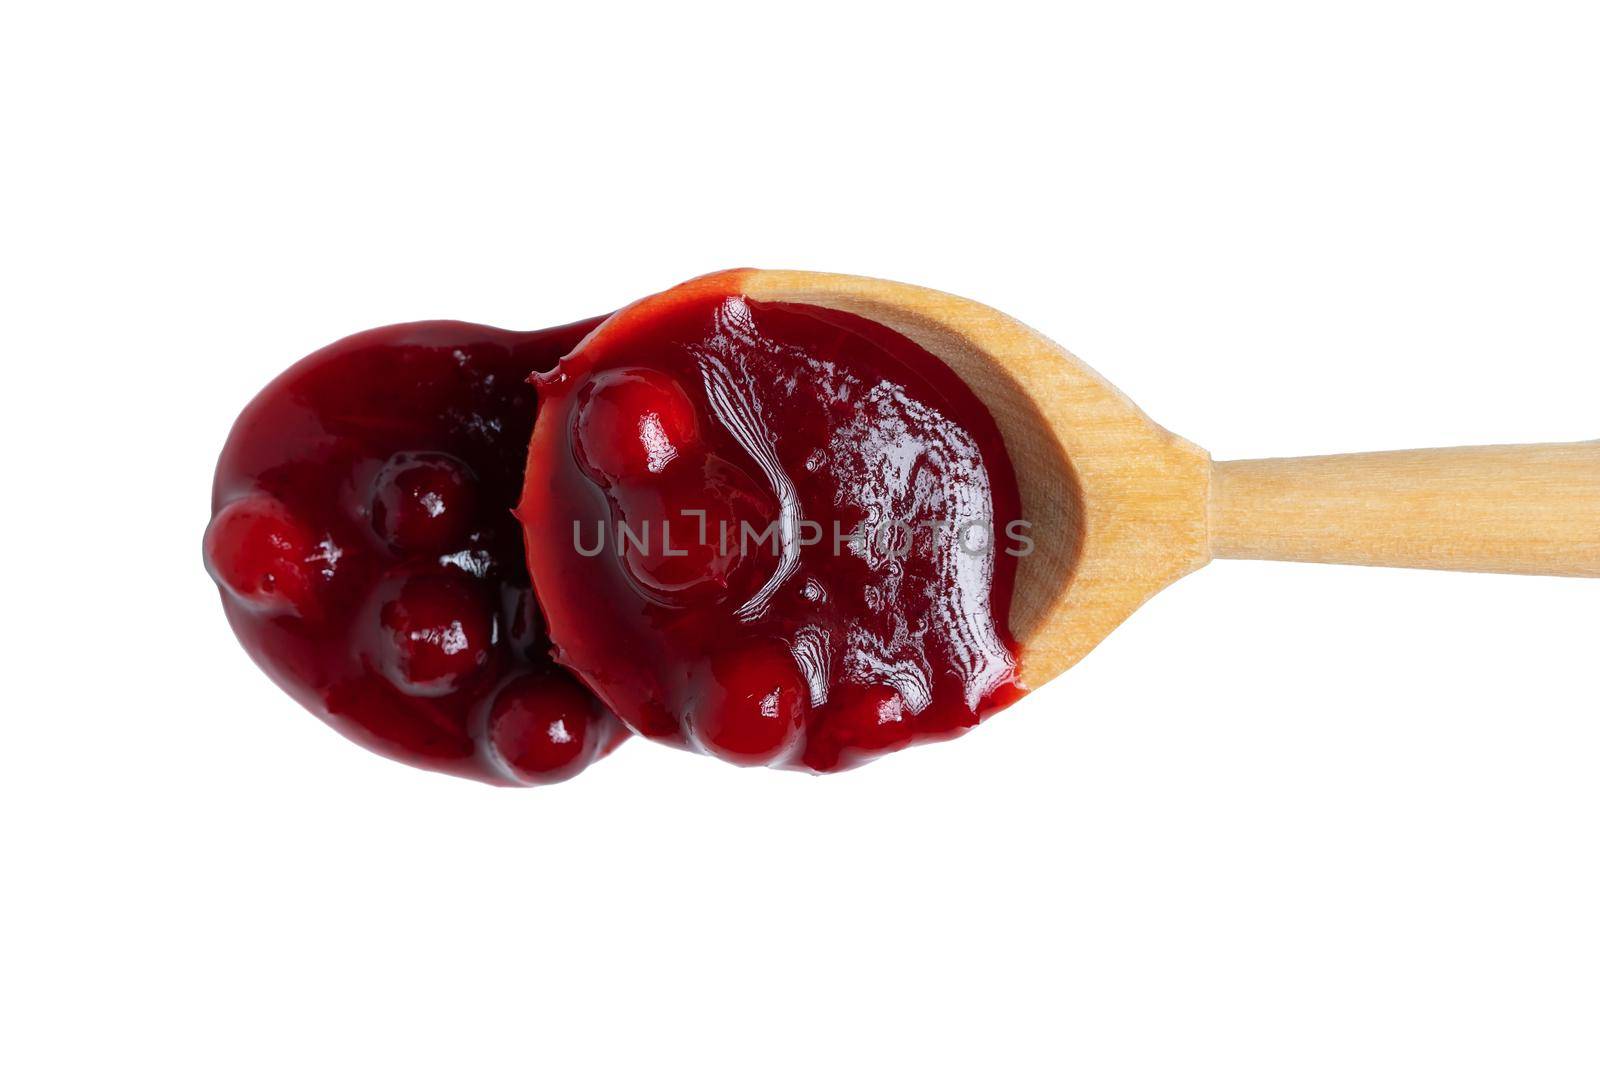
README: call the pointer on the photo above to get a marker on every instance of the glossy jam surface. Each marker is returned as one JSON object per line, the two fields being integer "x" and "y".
{"x": 774, "y": 533}
{"x": 363, "y": 541}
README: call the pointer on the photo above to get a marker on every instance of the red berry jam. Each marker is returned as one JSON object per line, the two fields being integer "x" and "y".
{"x": 775, "y": 533}
{"x": 363, "y": 539}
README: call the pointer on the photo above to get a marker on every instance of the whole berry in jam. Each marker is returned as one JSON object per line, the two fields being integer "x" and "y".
{"x": 423, "y": 502}
{"x": 544, "y": 728}
{"x": 634, "y": 423}
{"x": 863, "y": 722}
{"x": 257, "y": 551}
{"x": 367, "y": 556}
{"x": 435, "y": 632}
{"x": 748, "y": 705}
{"x": 682, "y": 538}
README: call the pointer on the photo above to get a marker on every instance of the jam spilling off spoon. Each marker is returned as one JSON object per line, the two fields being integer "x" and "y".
{"x": 363, "y": 540}
{"x": 774, "y": 533}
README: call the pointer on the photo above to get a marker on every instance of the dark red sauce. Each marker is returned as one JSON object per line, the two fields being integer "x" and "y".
{"x": 775, "y": 533}
{"x": 363, "y": 540}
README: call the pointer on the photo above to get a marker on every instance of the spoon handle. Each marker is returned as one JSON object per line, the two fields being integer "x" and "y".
{"x": 1513, "y": 509}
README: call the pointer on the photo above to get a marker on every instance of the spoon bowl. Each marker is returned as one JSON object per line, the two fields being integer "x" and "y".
{"x": 1120, "y": 507}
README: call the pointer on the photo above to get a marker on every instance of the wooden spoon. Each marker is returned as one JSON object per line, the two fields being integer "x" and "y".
{"x": 1121, "y": 508}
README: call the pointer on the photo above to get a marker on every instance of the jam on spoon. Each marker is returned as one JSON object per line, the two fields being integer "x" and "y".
{"x": 806, "y": 545}
{"x": 363, "y": 541}
{"x": 775, "y": 533}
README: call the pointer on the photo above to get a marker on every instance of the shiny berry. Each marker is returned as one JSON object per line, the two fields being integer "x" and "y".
{"x": 634, "y": 423}
{"x": 859, "y": 724}
{"x": 544, "y": 728}
{"x": 398, "y": 454}
{"x": 434, "y": 633}
{"x": 750, "y": 704}
{"x": 423, "y": 502}
{"x": 263, "y": 556}
{"x": 683, "y": 538}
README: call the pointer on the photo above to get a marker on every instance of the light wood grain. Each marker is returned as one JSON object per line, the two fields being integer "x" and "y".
{"x": 1516, "y": 509}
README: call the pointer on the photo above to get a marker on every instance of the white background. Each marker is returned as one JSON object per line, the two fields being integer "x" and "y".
{"x": 1286, "y": 815}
